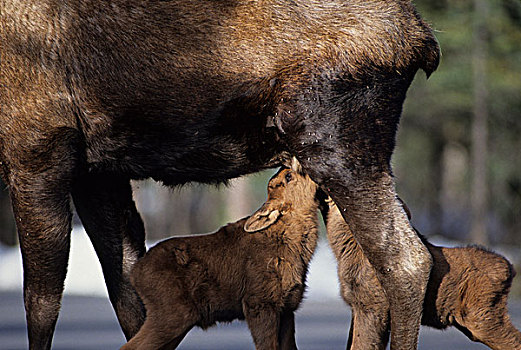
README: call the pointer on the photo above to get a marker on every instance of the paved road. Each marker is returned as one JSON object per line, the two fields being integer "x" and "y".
{"x": 89, "y": 323}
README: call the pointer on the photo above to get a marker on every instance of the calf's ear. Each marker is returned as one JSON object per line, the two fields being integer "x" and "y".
{"x": 266, "y": 216}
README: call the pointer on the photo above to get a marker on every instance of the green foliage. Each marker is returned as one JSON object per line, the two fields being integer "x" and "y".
{"x": 438, "y": 115}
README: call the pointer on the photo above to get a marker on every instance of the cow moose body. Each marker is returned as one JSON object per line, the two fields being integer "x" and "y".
{"x": 94, "y": 94}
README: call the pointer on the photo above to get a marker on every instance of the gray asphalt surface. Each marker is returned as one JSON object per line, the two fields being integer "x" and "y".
{"x": 89, "y": 323}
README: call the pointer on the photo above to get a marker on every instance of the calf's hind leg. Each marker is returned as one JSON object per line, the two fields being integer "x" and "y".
{"x": 177, "y": 340}
{"x": 156, "y": 335}
{"x": 109, "y": 215}
{"x": 166, "y": 325}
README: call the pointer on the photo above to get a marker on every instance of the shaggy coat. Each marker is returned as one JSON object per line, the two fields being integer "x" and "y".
{"x": 468, "y": 289}
{"x": 96, "y": 93}
{"x": 253, "y": 269}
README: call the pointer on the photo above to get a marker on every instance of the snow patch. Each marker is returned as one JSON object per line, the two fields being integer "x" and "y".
{"x": 85, "y": 277}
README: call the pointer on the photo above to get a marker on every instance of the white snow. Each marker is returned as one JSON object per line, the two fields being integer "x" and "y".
{"x": 84, "y": 276}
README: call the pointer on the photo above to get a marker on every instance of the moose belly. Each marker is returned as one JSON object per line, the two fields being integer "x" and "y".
{"x": 179, "y": 149}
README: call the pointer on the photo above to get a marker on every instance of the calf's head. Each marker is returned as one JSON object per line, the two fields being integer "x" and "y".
{"x": 289, "y": 190}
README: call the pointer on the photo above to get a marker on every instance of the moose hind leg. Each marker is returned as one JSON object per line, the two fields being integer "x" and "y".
{"x": 343, "y": 135}
{"x": 368, "y": 331}
{"x": 109, "y": 215}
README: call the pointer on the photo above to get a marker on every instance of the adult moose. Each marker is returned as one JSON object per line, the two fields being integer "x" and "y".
{"x": 94, "y": 94}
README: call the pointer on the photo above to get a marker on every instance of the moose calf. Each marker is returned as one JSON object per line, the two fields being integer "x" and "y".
{"x": 233, "y": 274}
{"x": 468, "y": 289}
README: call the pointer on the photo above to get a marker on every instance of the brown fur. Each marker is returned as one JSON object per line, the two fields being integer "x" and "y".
{"x": 468, "y": 288}
{"x": 254, "y": 268}
{"x": 96, "y": 93}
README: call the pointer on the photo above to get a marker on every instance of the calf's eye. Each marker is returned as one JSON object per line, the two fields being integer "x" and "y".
{"x": 289, "y": 177}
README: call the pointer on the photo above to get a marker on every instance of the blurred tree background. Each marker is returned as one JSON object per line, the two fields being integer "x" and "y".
{"x": 458, "y": 160}
{"x": 198, "y": 208}
{"x": 458, "y": 157}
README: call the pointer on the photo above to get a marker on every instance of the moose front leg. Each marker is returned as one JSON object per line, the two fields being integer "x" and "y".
{"x": 39, "y": 178}
{"x": 342, "y": 132}
{"x": 109, "y": 215}
{"x": 43, "y": 216}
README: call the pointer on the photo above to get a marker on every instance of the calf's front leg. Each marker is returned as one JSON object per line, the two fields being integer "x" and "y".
{"x": 287, "y": 330}
{"x": 264, "y": 322}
